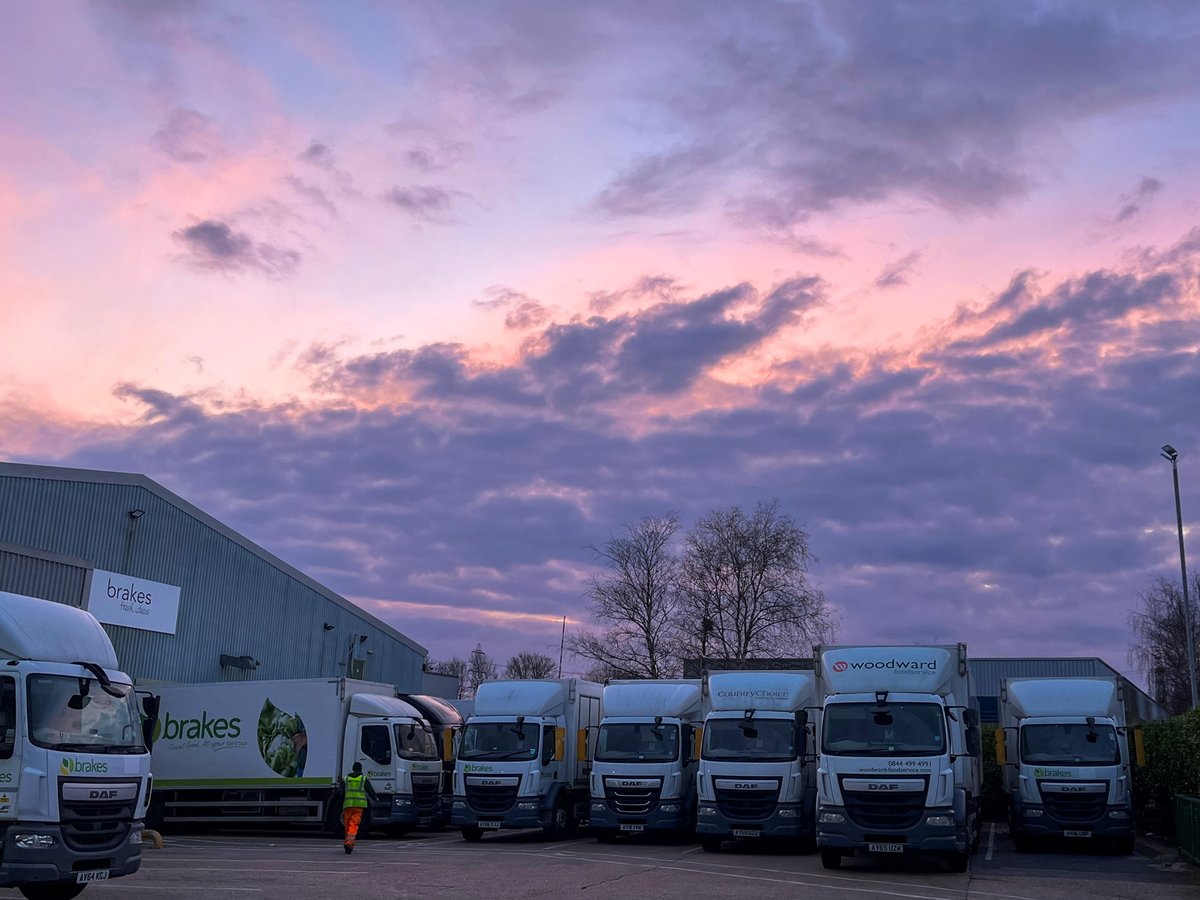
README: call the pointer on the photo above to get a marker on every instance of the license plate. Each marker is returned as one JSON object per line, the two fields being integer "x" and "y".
{"x": 89, "y": 877}
{"x": 490, "y": 824}
{"x": 1080, "y": 834}
{"x": 886, "y": 848}
{"x": 747, "y": 832}
{"x": 633, "y": 827}
{"x": 424, "y": 820}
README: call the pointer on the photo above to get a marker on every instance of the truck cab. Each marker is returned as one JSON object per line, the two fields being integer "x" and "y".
{"x": 522, "y": 759}
{"x": 1065, "y": 754}
{"x": 756, "y": 778}
{"x": 644, "y": 767}
{"x": 899, "y": 754}
{"x": 74, "y": 763}
{"x": 446, "y": 722}
{"x": 399, "y": 758}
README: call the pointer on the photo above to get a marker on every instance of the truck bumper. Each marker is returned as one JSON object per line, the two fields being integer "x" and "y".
{"x": 401, "y": 810}
{"x": 921, "y": 838}
{"x": 787, "y": 820}
{"x": 59, "y": 862}
{"x": 667, "y": 815}
{"x": 520, "y": 815}
{"x": 1035, "y": 821}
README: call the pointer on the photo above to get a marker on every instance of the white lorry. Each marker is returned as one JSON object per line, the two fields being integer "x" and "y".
{"x": 900, "y": 753}
{"x": 1064, "y": 749}
{"x": 523, "y": 757}
{"x": 446, "y": 722}
{"x": 277, "y": 751}
{"x": 643, "y": 772}
{"x": 74, "y": 768}
{"x": 756, "y": 777}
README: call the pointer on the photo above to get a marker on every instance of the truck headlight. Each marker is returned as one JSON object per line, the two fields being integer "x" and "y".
{"x": 135, "y": 837}
{"x": 786, "y": 813}
{"x": 34, "y": 841}
{"x": 459, "y": 804}
{"x": 527, "y": 806}
{"x": 1034, "y": 813}
{"x": 939, "y": 821}
{"x": 1118, "y": 814}
{"x": 707, "y": 811}
{"x": 401, "y": 801}
{"x": 831, "y": 818}
{"x": 597, "y": 807}
{"x": 669, "y": 807}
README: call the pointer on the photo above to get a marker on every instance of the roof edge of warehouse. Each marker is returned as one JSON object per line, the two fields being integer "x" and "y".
{"x": 99, "y": 476}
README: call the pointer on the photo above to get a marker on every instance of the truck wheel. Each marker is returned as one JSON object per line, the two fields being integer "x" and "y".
{"x": 711, "y": 844}
{"x": 831, "y": 858}
{"x": 605, "y": 835}
{"x": 472, "y": 833}
{"x": 559, "y": 824}
{"x": 957, "y": 862}
{"x": 1021, "y": 841}
{"x": 54, "y": 890}
{"x": 1124, "y": 846}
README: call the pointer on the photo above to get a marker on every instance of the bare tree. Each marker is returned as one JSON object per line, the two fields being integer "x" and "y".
{"x": 1160, "y": 647}
{"x": 527, "y": 664}
{"x": 635, "y": 602}
{"x": 454, "y": 667}
{"x": 745, "y": 579}
{"x": 480, "y": 668}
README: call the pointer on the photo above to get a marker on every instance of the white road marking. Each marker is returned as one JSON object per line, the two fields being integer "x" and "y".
{"x": 991, "y": 840}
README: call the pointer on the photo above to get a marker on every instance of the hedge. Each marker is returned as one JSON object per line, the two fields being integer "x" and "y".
{"x": 1172, "y": 767}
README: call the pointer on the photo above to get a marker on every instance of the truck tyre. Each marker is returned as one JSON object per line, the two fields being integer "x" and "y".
{"x": 831, "y": 858}
{"x": 472, "y": 833}
{"x": 1124, "y": 846}
{"x": 605, "y": 835}
{"x": 957, "y": 862}
{"x": 52, "y": 890}
{"x": 559, "y": 825}
{"x": 710, "y": 844}
{"x": 1021, "y": 841}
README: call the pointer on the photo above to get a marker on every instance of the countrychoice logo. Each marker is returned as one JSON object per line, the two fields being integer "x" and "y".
{"x": 70, "y": 766}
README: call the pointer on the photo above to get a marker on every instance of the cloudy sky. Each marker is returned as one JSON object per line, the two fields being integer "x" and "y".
{"x": 426, "y": 298}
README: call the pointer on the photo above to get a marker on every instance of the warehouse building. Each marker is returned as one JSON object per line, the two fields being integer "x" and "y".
{"x": 183, "y": 596}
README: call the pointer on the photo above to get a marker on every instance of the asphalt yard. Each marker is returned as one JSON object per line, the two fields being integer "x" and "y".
{"x": 522, "y": 864}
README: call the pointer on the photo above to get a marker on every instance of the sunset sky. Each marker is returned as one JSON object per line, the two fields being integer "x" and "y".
{"x": 426, "y": 298}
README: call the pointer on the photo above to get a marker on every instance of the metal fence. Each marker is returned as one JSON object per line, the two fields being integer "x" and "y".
{"x": 1187, "y": 826}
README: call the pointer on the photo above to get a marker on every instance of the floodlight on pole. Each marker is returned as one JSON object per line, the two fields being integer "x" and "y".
{"x": 1170, "y": 454}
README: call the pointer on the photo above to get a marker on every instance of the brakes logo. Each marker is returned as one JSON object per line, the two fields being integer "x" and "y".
{"x": 70, "y": 766}
{"x": 912, "y": 665}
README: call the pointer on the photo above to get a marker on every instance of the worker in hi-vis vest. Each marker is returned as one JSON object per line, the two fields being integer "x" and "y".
{"x": 354, "y": 801}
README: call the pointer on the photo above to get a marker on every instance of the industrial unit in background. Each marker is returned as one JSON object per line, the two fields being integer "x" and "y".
{"x": 1064, "y": 749}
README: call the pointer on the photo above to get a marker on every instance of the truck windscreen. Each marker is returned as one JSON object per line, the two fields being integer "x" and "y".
{"x": 77, "y": 714}
{"x": 414, "y": 742}
{"x": 499, "y": 741}
{"x": 1070, "y": 745}
{"x": 763, "y": 740}
{"x": 868, "y": 729}
{"x": 637, "y": 742}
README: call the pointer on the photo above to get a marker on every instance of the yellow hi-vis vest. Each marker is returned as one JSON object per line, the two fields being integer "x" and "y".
{"x": 356, "y": 792}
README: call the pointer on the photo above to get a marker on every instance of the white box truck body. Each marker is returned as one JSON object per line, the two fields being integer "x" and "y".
{"x": 899, "y": 753}
{"x": 277, "y": 751}
{"x": 756, "y": 778}
{"x": 1067, "y": 771}
{"x": 522, "y": 759}
{"x": 74, "y": 767}
{"x": 643, "y": 773}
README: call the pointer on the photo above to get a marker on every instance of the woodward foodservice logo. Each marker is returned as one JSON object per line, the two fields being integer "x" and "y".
{"x": 903, "y": 664}
{"x": 70, "y": 766}
{"x": 840, "y": 666}
{"x": 172, "y": 729}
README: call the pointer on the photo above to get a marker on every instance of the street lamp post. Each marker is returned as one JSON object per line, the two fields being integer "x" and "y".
{"x": 1170, "y": 454}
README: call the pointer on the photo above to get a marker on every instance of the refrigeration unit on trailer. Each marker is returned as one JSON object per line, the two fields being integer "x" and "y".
{"x": 74, "y": 763}
{"x": 446, "y": 722}
{"x": 899, "y": 753}
{"x": 643, "y": 767}
{"x": 756, "y": 776}
{"x": 523, "y": 757}
{"x": 1064, "y": 749}
{"x": 276, "y": 752}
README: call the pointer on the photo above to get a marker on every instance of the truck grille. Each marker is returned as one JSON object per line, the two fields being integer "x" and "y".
{"x": 884, "y": 812}
{"x": 425, "y": 794}
{"x": 746, "y": 805}
{"x": 491, "y": 798}
{"x": 1075, "y": 808}
{"x": 631, "y": 801}
{"x": 90, "y": 827}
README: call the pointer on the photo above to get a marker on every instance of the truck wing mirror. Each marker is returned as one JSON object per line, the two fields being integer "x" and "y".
{"x": 1001, "y": 748}
{"x": 150, "y": 707}
{"x": 1139, "y": 747}
{"x": 802, "y": 719}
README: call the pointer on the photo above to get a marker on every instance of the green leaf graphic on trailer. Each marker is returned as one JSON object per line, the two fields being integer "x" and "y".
{"x": 282, "y": 741}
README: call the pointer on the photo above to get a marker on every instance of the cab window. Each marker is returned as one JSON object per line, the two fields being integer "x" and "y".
{"x": 377, "y": 743}
{"x": 8, "y": 716}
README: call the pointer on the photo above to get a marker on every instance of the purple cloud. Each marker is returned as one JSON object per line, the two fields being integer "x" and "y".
{"x": 214, "y": 246}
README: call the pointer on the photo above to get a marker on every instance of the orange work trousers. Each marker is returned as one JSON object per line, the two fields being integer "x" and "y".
{"x": 351, "y": 817}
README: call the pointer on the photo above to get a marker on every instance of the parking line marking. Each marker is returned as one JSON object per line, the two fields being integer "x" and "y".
{"x": 991, "y": 840}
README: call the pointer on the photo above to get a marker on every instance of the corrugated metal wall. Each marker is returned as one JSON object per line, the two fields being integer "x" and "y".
{"x": 232, "y": 600}
{"x": 986, "y": 675}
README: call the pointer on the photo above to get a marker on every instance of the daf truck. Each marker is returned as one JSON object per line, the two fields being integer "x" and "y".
{"x": 1064, "y": 749}
{"x": 643, "y": 766}
{"x": 899, "y": 769}
{"x": 446, "y": 722}
{"x": 74, "y": 763}
{"x": 276, "y": 752}
{"x": 523, "y": 758}
{"x": 756, "y": 776}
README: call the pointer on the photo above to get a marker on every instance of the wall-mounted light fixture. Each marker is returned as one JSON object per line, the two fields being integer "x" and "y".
{"x": 328, "y": 626}
{"x": 136, "y": 514}
{"x": 239, "y": 662}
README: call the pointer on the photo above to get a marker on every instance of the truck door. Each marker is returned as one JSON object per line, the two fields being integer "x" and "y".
{"x": 375, "y": 754}
{"x": 9, "y": 768}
